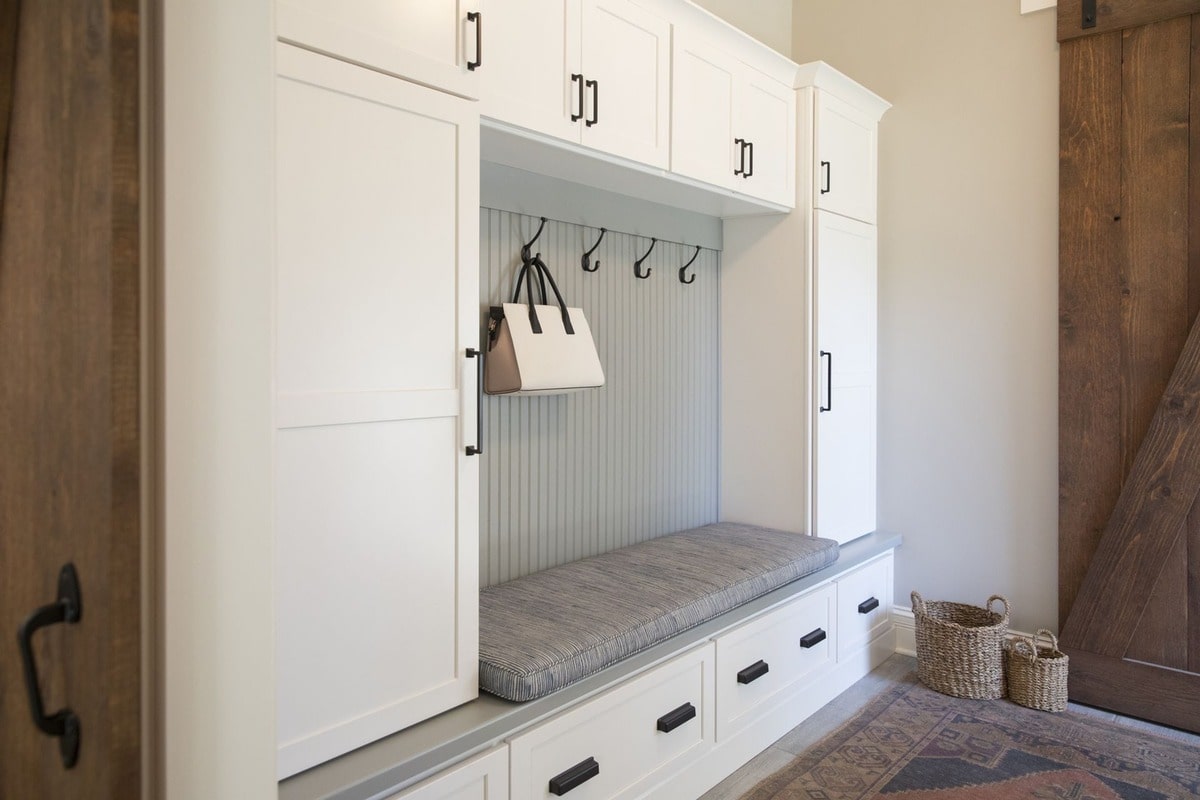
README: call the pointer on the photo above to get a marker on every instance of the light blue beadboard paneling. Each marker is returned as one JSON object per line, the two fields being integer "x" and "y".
{"x": 569, "y": 476}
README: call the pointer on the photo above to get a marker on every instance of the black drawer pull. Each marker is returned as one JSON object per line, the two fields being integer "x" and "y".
{"x": 582, "y": 772}
{"x": 673, "y": 719}
{"x": 812, "y": 639}
{"x": 753, "y": 672}
{"x": 868, "y": 605}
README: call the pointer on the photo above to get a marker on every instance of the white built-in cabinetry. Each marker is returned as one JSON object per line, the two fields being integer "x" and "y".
{"x": 484, "y": 777}
{"x": 798, "y": 330}
{"x": 377, "y": 193}
{"x": 731, "y": 125}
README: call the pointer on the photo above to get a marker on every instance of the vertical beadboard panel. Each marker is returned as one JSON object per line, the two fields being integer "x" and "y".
{"x": 569, "y": 476}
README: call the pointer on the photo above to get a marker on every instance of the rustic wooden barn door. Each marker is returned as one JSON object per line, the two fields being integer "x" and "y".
{"x": 1129, "y": 355}
{"x": 70, "y": 439}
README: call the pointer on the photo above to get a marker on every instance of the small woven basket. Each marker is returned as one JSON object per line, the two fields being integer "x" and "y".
{"x": 960, "y": 647}
{"x": 1037, "y": 675}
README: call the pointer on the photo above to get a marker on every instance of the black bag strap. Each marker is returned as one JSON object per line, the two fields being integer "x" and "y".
{"x": 526, "y": 274}
{"x": 544, "y": 274}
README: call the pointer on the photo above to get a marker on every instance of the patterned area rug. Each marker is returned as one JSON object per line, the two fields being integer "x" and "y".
{"x": 911, "y": 743}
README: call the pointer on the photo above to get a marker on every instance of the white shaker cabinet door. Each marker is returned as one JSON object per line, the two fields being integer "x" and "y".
{"x": 627, "y": 77}
{"x": 845, "y": 172}
{"x": 765, "y": 117}
{"x": 376, "y": 500}
{"x": 484, "y": 777}
{"x": 704, "y": 78}
{"x": 434, "y": 43}
{"x": 530, "y": 55}
{"x": 845, "y": 361}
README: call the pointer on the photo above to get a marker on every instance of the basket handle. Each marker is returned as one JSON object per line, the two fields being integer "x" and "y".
{"x": 918, "y": 602}
{"x": 1049, "y": 635}
{"x": 994, "y": 598}
{"x": 1023, "y": 647}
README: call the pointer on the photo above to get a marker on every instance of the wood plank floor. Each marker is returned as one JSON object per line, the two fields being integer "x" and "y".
{"x": 846, "y": 705}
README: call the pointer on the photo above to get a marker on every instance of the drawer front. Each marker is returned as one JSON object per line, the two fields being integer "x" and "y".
{"x": 864, "y": 599}
{"x": 614, "y": 745}
{"x": 767, "y": 655}
{"x": 484, "y": 777}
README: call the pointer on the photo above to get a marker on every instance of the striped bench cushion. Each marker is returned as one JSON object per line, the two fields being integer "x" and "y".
{"x": 544, "y": 631}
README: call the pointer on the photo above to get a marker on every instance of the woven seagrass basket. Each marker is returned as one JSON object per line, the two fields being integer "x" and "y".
{"x": 960, "y": 647}
{"x": 1037, "y": 675}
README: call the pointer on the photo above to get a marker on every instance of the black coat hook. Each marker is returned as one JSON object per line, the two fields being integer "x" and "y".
{"x": 637, "y": 265}
{"x": 586, "y": 261}
{"x": 525, "y": 251}
{"x": 683, "y": 269}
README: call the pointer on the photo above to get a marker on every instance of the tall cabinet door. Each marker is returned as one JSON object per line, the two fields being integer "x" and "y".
{"x": 627, "y": 66}
{"x": 531, "y": 52}
{"x": 376, "y": 500}
{"x": 845, "y": 362}
{"x": 431, "y": 43}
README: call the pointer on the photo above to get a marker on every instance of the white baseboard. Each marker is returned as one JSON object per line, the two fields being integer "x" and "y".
{"x": 906, "y": 631}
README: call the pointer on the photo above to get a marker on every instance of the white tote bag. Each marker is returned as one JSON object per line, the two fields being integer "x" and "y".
{"x": 536, "y": 349}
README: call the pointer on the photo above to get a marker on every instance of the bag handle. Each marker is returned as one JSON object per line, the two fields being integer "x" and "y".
{"x": 1024, "y": 647}
{"x": 521, "y": 277}
{"x": 994, "y": 598}
{"x": 918, "y": 602}
{"x": 1043, "y": 632}
{"x": 544, "y": 275}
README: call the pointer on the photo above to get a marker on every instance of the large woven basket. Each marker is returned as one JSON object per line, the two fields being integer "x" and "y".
{"x": 960, "y": 647}
{"x": 1037, "y": 675}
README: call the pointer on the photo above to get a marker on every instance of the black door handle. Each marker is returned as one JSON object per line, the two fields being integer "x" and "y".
{"x": 567, "y": 780}
{"x": 477, "y": 450}
{"x": 825, "y": 165}
{"x": 741, "y": 143}
{"x": 828, "y": 382}
{"x": 812, "y": 639}
{"x": 576, "y": 77}
{"x": 477, "y": 18}
{"x": 595, "y": 87}
{"x": 673, "y": 719}
{"x": 753, "y": 672}
{"x": 750, "y": 169}
{"x": 67, "y": 608}
{"x": 868, "y": 605}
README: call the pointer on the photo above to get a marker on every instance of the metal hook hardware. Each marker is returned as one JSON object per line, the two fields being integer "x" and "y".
{"x": 586, "y": 261}
{"x": 525, "y": 248}
{"x": 683, "y": 269}
{"x": 637, "y": 265}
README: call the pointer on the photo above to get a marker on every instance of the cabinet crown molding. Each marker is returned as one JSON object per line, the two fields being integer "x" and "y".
{"x": 819, "y": 75}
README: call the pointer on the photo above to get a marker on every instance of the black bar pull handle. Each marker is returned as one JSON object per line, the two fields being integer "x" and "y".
{"x": 567, "y": 780}
{"x": 812, "y": 639}
{"x": 673, "y": 719}
{"x": 828, "y": 406}
{"x": 753, "y": 672}
{"x": 741, "y": 143}
{"x": 595, "y": 87}
{"x": 578, "y": 78}
{"x": 750, "y": 169}
{"x": 477, "y": 18}
{"x": 868, "y": 605}
{"x": 825, "y": 165}
{"x": 477, "y": 449}
{"x": 68, "y": 608}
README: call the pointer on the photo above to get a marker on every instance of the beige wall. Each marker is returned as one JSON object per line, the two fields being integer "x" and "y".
{"x": 769, "y": 21}
{"x": 968, "y": 280}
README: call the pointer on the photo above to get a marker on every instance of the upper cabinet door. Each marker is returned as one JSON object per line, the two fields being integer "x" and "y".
{"x": 531, "y": 52}
{"x": 704, "y": 78}
{"x": 432, "y": 43}
{"x": 845, "y": 172}
{"x": 627, "y": 75}
{"x": 765, "y": 117}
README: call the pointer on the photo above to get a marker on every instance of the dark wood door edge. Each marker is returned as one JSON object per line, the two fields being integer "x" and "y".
{"x": 1169, "y": 697}
{"x": 1116, "y": 15}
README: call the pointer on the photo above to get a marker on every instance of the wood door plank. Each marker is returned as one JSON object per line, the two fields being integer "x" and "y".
{"x": 1090, "y": 245}
{"x": 1116, "y": 16}
{"x": 1161, "y": 636}
{"x": 1147, "y": 520}
{"x": 1135, "y": 689}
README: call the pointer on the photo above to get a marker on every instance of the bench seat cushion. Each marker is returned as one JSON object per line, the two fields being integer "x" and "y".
{"x": 544, "y": 631}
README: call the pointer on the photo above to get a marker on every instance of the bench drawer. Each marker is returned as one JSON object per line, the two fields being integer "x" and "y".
{"x": 769, "y": 654}
{"x": 617, "y": 744}
{"x": 484, "y": 777}
{"x": 864, "y": 600}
